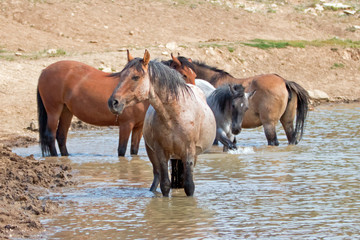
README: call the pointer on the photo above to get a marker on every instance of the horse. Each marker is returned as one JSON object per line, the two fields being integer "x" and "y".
{"x": 229, "y": 104}
{"x": 179, "y": 124}
{"x": 68, "y": 88}
{"x": 276, "y": 99}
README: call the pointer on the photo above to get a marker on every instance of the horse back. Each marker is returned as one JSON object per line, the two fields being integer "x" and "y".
{"x": 85, "y": 91}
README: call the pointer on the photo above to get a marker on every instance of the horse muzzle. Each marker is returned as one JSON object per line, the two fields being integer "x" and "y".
{"x": 235, "y": 130}
{"x": 115, "y": 106}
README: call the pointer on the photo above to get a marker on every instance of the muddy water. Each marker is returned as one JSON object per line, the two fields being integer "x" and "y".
{"x": 309, "y": 191}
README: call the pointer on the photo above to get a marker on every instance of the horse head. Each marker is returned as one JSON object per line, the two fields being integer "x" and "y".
{"x": 188, "y": 74}
{"x": 133, "y": 85}
{"x": 239, "y": 105}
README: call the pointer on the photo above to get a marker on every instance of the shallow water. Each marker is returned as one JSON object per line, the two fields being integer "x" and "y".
{"x": 309, "y": 191}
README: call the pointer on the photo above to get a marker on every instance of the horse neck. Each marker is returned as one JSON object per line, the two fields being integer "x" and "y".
{"x": 203, "y": 72}
{"x": 165, "y": 107}
{"x": 221, "y": 117}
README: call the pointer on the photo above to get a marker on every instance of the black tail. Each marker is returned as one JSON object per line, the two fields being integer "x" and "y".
{"x": 301, "y": 110}
{"x": 44, "y": 133}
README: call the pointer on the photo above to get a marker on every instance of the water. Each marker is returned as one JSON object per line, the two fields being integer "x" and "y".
{"x": 307, "y": 191}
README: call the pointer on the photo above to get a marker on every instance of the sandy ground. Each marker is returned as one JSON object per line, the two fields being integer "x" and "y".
{"x": 35, "y": 34}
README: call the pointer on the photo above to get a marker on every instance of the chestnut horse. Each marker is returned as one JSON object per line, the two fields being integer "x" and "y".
{"x": 179, "y": 124}
{"x": 276, "y": 99}
{"x": 68, "y": 88}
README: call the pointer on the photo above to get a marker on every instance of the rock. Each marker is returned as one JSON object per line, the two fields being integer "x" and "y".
{"x": 336, "y": 6}
{"x": 18, "y": 54}
{"x": 131, "y": 33}
{"x": 51, "y": 51}
{"x": 171, "y": 46}
{"x": 318, "y": 95}
{"x": 350, "y": 12}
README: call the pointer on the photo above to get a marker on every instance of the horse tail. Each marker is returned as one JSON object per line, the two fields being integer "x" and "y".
{"x": 44, "y": 134}
{"x": 301, "y": 109}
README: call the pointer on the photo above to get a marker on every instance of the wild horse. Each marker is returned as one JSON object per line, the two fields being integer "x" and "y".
{"x": 68, "y": 88}
{"x": 276, "y": 99}
{"x": 179, "y": 124}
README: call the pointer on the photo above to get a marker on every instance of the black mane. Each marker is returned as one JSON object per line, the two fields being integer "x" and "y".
{"x": 222, "y": 96}
{"x": 215, "y": 69}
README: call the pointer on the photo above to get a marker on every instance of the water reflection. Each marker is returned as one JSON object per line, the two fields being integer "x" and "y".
{"x": 310, "y": 190}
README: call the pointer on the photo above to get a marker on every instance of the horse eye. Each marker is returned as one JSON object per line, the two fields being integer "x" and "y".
{"x": 135, "y": 78}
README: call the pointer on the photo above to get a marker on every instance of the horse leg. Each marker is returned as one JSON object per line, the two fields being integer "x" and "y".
{"x": 52, "y": 124}
{"x": 287, "y": 120}
{"x": 177, "y": 173}
{"x": 189, "y": 185}
{"x": 62, "y": 130}
{"x": 135, "y": 139}
{"x": 160, "y": 169}
{"x": 165, "y": 184}
{"x": 270, "y": 133}
{"x": 124, "y": 134}
{"x": 156, "y": 168}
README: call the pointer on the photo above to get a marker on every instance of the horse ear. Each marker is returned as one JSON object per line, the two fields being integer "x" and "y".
{"x": 176, "y": 61}
{"x": 146, "y": 58}
{"x": 129, "y": 57}
{"x": 249, "y": 95}
{"x": 232, "y": 90}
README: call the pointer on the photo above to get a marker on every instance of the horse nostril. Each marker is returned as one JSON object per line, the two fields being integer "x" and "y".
{"x": 115, "y": 103}
{"x": 236, "y": 131}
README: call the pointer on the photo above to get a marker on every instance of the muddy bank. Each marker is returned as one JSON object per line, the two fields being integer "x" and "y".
{"x": 23, "y": 180}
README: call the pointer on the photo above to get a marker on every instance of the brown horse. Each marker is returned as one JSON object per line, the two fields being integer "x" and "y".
{"x": 68, "y": 88}
{"x": 179, "y": 124}
{"x": 276, "y": 99}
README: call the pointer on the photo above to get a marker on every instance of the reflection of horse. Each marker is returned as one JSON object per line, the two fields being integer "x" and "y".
{"x": 179, "y": 124}
{"x": 229, "y": 104}
{"x": 68, "y": 88}
{"x": 276, "y": 99}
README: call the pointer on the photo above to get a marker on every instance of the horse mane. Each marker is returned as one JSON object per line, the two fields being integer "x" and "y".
{"x": 222, "y": 96}
{"x": 167, "y": 78}
{"x": 134, "y": 63}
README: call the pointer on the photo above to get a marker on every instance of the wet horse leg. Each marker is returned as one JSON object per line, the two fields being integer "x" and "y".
{"x": 52, "y": 124}
{"x": 160, "y": 169}
{"x": 156, "y": 168}
{"x": 124, "y": 134}
{"x": 270, "y": 133}
{"x": 135, "y": 139}
{"x": 62, "y": 130}
{"x": 165, "y": 184}
{"x": 189, "y": 185}
{"x": 287, "y": 120}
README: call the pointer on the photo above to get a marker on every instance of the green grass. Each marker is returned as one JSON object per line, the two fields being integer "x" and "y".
{"x": 337, "y": 65}
{"x": 266, "y": 44}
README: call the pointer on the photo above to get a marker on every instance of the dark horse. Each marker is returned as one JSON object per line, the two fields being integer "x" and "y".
{"x": 179, "y": 124}
{"x": 68, "y": 88}
{"x": 276, "y": 99}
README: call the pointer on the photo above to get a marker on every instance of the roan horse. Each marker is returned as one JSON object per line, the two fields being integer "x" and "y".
{"x": 229, "y": 104}
{"x": 179, "y": 124}
{"x": 68, "y": 88}
{"x": 276, "y": 99}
